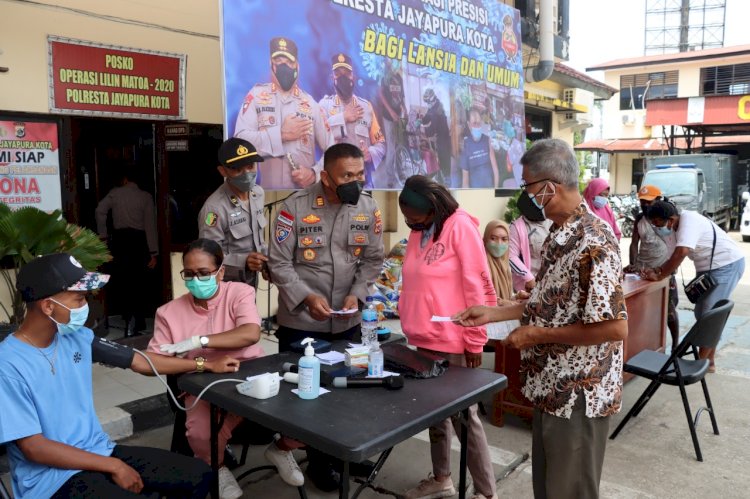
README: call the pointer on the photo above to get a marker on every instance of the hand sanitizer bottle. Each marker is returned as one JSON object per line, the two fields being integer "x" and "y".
{"x": 309, "y": 373}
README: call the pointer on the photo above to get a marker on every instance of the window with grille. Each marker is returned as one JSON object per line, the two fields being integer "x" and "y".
{"x": 635, "y": 89}
{"x": 726, "y": 80}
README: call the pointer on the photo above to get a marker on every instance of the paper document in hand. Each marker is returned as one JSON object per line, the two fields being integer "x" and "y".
{"x": 344, "y": 311}
{"x": 438, "y": 318}
{"x": 501, "y": 330}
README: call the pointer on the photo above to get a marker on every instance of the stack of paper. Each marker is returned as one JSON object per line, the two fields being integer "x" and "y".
{"x": 330, "y": 358}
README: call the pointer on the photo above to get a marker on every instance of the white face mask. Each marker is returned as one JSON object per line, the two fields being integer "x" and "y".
{"x": 78, "y": 317}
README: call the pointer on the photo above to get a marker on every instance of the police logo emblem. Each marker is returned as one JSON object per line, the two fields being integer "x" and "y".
{"x": 211, "y": 219}
{"x": 306, "y": 241}
{"x": 282, "y": 232}
{"x": 360, "y": 239}
{"x": 357, "y": 251}
{"x": 309, "y": 254}
{"x": 342, "y": 58}
{"x": 311, "y": 219}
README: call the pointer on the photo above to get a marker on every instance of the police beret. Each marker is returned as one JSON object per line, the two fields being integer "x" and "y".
{"x": 283, "y": 46}
{"x": 341, "y": 60}
{"x": 236, "y": 153}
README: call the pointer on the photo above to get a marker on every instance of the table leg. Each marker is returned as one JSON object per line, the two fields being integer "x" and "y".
{"x": 215, "y": 450}
{"x": 344, "y": 487}
{"x": 464, "y": 446}
{"x": 368, "y": 481}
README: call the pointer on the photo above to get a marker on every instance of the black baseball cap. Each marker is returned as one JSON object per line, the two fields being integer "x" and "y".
{"x": 236, "y": 153}
{"x": 341, "y": 60}
{"x": 48, "y": 275}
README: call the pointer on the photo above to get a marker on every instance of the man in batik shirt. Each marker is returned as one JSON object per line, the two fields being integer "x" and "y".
{"x": 571, "y": 331}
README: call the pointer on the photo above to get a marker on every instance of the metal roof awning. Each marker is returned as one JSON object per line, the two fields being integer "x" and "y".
{"x": 623, "y": 145}
{"x": 725, "y": 114}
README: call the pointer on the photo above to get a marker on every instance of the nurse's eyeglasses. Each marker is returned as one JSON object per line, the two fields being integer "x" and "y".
{"x": 201, "y": 275}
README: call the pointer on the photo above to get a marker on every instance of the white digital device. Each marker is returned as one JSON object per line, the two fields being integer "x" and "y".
{"x": 262, "y": 386}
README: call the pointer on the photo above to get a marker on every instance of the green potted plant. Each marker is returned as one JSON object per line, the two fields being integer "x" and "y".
{"x": 29, "y": 232}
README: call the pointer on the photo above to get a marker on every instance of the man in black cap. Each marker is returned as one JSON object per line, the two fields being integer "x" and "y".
{"x": 285, "y": 123}
{"x": 55, "y": 444}
{"x": 352, "y": 118}
{"x": 233, "y": 215}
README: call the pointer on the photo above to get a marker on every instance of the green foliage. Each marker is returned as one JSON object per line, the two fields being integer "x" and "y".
{"x": 30, "y": 232}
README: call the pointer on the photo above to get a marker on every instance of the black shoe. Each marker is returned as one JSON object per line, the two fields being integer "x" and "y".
{"x": 324, "y": 477}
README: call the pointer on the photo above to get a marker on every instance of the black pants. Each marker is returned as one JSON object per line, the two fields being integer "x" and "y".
{"x": 287, "y": 336}
{"x": 164, "y": 474}
{"x": 130, "y": 257}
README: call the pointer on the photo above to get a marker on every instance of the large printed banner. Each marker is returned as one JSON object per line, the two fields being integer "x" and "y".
{"x": 432, "y": 87}
{"x": 103, "y": 80}
{"x": 29, "y": 165}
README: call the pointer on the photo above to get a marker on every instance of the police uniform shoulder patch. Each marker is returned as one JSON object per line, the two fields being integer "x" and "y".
{"x": 309, "y": 254}
{"x": 285, "y": 217}
{"x": 211, "y": 219}
{"x": 282, "y": 232}
{"x": 357, "y": 251}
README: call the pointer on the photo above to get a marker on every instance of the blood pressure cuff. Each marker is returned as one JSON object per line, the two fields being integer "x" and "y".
{"x": 413, "y": 363}
{"x": 111, "y": 353}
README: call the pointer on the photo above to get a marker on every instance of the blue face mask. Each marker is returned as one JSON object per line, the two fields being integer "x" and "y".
{"x": 476, "y": 133}
{"x": 203, "y": 290}
{"x": 663, "y": 231}
{"x": 600, "y": 201}
{"x": 78, "y": 317}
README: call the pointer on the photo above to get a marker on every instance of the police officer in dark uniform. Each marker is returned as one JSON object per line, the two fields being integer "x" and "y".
{"x": 233, "y": 215}
{"x": 327, "y": 249}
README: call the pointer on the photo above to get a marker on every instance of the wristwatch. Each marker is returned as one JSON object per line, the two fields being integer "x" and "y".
{"x": 200, "y": 364}
{"x": 204, "y": 341}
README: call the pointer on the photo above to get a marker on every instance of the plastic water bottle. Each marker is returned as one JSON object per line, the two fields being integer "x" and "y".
{"x": 375, "y": 361}
{"x": 369, "y": 323}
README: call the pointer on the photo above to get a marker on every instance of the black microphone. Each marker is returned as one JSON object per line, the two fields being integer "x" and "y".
{"x": 390, "y": 382}
{"x": 289, "y": 367}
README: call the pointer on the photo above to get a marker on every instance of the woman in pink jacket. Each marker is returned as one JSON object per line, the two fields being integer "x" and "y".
{"x": 596, "y": 195}
{"x": 213, "y": 320}
{"x": 444, "y": 270}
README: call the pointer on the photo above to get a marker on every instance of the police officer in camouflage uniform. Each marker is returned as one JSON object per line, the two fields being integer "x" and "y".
{"x": 327, "y": 248}
{"x": 233, "y": 215}
{"x": 284, "y": 122}
{"x": 352, "y": 118}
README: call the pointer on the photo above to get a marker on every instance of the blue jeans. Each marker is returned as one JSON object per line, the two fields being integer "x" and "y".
{"x": 726, "y": 278}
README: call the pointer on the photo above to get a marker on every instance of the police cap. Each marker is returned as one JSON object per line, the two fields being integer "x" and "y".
{"x": 341, "y": 60}
{"x": 236, "y": 153}
{"x": 283, "y": 46}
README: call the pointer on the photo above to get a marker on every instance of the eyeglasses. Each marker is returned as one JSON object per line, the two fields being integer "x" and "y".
{"x": 201, "y": 275}
{"x": 525, "y": 185}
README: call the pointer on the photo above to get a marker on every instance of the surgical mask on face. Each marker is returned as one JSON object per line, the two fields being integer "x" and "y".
{"x": 476, "y": 133}
{"x": 345, "y": 87}
{"x": 78, "y": 317}
{"x": 663, "y": 231}
{"x": 349, "y": 192}
{"x": 202, "y": 290}
{"x": 419, "y": 226}
{"x": 529, "y": 208}
{"x": 244, "y": 181}
{"x": 497, "y": 250}
{"x": 286, "y": 75}
{"x": 600, "y": 201}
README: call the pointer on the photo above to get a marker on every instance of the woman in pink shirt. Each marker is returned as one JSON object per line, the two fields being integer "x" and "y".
{"x": 596, "y": 195}
{"x": 444, "y": 270}
{"x": 214, "y": 320}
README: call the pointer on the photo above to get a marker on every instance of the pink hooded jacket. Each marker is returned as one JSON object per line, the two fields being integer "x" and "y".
{"x": 444, "y": 278}
{"x": 592, "y": 190}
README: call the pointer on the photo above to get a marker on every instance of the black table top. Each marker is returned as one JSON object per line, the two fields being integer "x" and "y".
{"x": 351, "y": 424}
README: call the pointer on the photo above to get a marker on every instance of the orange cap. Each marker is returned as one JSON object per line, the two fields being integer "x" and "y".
{"x": 649, "y": 192}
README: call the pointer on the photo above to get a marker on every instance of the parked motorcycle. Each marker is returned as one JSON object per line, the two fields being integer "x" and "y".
{"x": 625, "y": 209}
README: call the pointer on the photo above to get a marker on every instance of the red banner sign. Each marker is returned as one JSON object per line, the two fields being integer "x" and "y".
{"x": 103, "y": 80}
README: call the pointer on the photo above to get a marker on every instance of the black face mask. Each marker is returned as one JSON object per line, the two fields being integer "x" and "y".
{"x": 419, "y": 227}
{"x": 345, "y": 87}
{"x": 529, "y": 209}
{"x": 286, "y": 76}
{"x": 349, "y": 192}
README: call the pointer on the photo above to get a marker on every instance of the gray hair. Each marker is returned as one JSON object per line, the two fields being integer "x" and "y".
{"x": 553, "y": 159}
